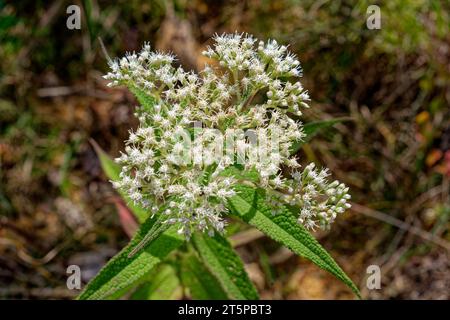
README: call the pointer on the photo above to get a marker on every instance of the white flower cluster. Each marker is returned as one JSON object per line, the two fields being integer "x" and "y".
{"x": 248, "y": 89}
{"x": 320, "y": 201}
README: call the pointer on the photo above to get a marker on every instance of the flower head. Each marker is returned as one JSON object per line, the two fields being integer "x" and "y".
{"x": 177, "y": 162}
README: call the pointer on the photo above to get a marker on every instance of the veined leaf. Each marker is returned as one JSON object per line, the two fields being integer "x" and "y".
{"x": 146, "y": 100}
{"x": 221, "y": 260}
{"x": 112, "y": 171}
{"x": 163, "y": 284}
{"x": 201, "y": 283}
{"x": 249, "y": 204}
{"x": 240, "y": 174}
{"x": 157, "y": 229}
{"x": 313, "y": 128}
{"x": 122, "y": 272}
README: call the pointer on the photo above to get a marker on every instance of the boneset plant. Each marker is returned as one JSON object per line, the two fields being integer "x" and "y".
{"x": 212, "y": 148}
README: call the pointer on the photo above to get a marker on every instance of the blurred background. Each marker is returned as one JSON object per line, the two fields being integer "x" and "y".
{"x": 57, "y": 207}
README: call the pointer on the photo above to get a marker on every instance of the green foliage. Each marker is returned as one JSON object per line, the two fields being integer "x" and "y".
{"x": 123, "y": 272}
{"x": 147, "y": 102}
{"x": 225, "y": 265}
{"x": 163, "y": 284}
{"x": 250, "y": 205}
{"x": 202, "y": 285}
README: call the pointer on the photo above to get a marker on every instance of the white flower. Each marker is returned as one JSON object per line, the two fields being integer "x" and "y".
{"x": 160, "y": 166}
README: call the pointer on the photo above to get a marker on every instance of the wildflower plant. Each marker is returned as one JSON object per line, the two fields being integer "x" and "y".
{"x": 211, "y": 148}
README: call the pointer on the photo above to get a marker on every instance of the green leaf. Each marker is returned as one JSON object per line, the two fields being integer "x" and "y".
{"x": 157, "y": 229}
{"x": 147, "y": 101}
{"x": 122, "y": 272}
{"x": 112, "y": 171}
{"x": 313, "y": 128}
{"x": 221, "y": 260}
{"x": 163, "y": 284}
{"x": 201, "y": 283}
{"x": 250, "y": 205}
{"x": 237, "y": 171}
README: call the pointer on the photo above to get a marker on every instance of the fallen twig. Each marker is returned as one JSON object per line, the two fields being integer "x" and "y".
{"x": 401, "y": 225}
